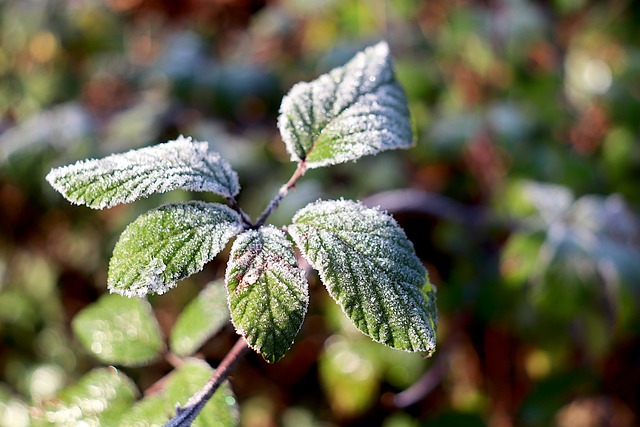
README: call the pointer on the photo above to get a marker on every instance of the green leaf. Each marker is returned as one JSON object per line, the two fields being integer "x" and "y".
{"x": 119, "y": 330}
{"x": 370, "y": 268}
{"x": 181, "y": 384}
{"x": 127, "y": 177}
{"x": 353, "y": 111}
{"x": 200, "y": 320}
{"x": 99, "y": 398}
{"x": 268, "y": 293}
{"x": 350, "y": 380}
{"x": 168, "y": 244}
{"x": 151, "y": 411}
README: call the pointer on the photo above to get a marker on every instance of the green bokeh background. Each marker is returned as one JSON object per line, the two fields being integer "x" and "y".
{"x": 524, "y": 199}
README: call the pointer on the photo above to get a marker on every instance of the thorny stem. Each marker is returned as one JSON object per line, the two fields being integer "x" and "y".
{"x": 300, "y": 170}
{"x": 187, "y": 414}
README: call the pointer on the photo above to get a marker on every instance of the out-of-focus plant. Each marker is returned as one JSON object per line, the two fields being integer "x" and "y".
{"x": 578, "y": 257}
{"x": 363, "y": 257}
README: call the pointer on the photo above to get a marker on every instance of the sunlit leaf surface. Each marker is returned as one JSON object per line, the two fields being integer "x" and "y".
{"x": 353, "y": 111}
{"x": 119, "y": 330}
{"x": 155, "y": 410}
{"x": 98, "y": 399}
{"x": 370, "y": 268}
{"x": 168, "y": 244}
{"x": 126, "y": 177}
{"x": 268, "y": 292}
{"x": 200, "y": 319}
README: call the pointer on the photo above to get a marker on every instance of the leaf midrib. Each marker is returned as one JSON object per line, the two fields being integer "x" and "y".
{"x": 335, "y": 116}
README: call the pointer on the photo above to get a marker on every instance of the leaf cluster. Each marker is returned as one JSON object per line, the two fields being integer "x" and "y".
{"x": 363, "y": 257}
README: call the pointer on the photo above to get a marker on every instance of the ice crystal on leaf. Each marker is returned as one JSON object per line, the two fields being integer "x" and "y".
{"x": 268, "y": 294}
{"x": 168, "y": 244}
{"x": 370, "y": 268}
{"x": 127, "y": 177}
{"x": 353, "y": 111}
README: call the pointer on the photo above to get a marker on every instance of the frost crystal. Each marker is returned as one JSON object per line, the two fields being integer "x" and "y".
{"x": 126, "y": 177}
{"x": 168, "y": 244}
{"x": 353, "y": 111}
{"x": 268, "y": 294}
{"x": 370, "y": 268}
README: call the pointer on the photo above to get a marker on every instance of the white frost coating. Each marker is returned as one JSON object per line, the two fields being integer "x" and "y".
{"x": 168, "y": 244}
{"x": 370, "y": 268}
{"x": 126, "y": 177}
{"x": 268, "y": 292}
{"x": 353, "y": 111}
{"x": 552, "y": 201}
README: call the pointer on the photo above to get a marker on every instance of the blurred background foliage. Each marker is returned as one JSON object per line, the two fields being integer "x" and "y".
{"x": 521, "y": 196}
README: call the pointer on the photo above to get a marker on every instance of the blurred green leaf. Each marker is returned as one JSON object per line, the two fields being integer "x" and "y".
{"x": 99, "y": 398}
{"x": 169, "y": 243}
{"x": 348, "y": 377}
{"x": 119, "y": 330}
{"x": 61, "y": 126}
{"x": 200, "y": 319}
{"x": 268, "y": 293}
{"x": 181, "y": 384}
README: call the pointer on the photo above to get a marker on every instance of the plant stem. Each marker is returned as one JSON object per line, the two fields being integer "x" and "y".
{"x": 243, "y": 216}
{"x": 185, "y": 415}
{"x": 299, "y": 172}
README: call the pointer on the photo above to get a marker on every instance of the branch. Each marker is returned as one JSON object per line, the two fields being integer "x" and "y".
{"x": 188, "y": 413}
{"x": 284, "y": 190}
{"x": 243, "y": 216}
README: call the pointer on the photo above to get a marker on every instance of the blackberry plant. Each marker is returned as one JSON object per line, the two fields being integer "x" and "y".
{"x": 361, "y": 254}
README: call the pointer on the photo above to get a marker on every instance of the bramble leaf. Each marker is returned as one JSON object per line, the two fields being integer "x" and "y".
{"x": 119, "y": 330}
{"x": 168, "y": 244}
{"x": 352, "y": 111}
{"x": 268, "y": 293}
{"x": 200, "y": 320}
{"x": 370, "y": 268}
{"x": 127, "y": 177}
{"x": 98, "y": 399}
{"x": 181, "y": 384}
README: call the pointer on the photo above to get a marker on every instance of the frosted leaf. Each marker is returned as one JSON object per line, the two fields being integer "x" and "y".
{"x": 352, "y": 111}
{"x": 127, "y": 177}
{"x": 370, "y": 268}
{"x": 268, "y": 294}
{"x": 550, "y": 200}
{"x": 168, "y": 244}
{"x": 118, "y": 330}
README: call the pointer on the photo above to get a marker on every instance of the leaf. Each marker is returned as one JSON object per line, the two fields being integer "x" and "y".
{"x": 155, "y": 411}
{"x": 119, "y": 330}
{"x": 349, "y": 378}
{"x": 370, "y": 268}
{"x": 353, "y": 111}
{"x": 268, "y": 293}
{"x": 168, "y": 244}
{"x": 127, "y": 177}
{"x": 99, "y": 398}
{"x": 200, "y": 320}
